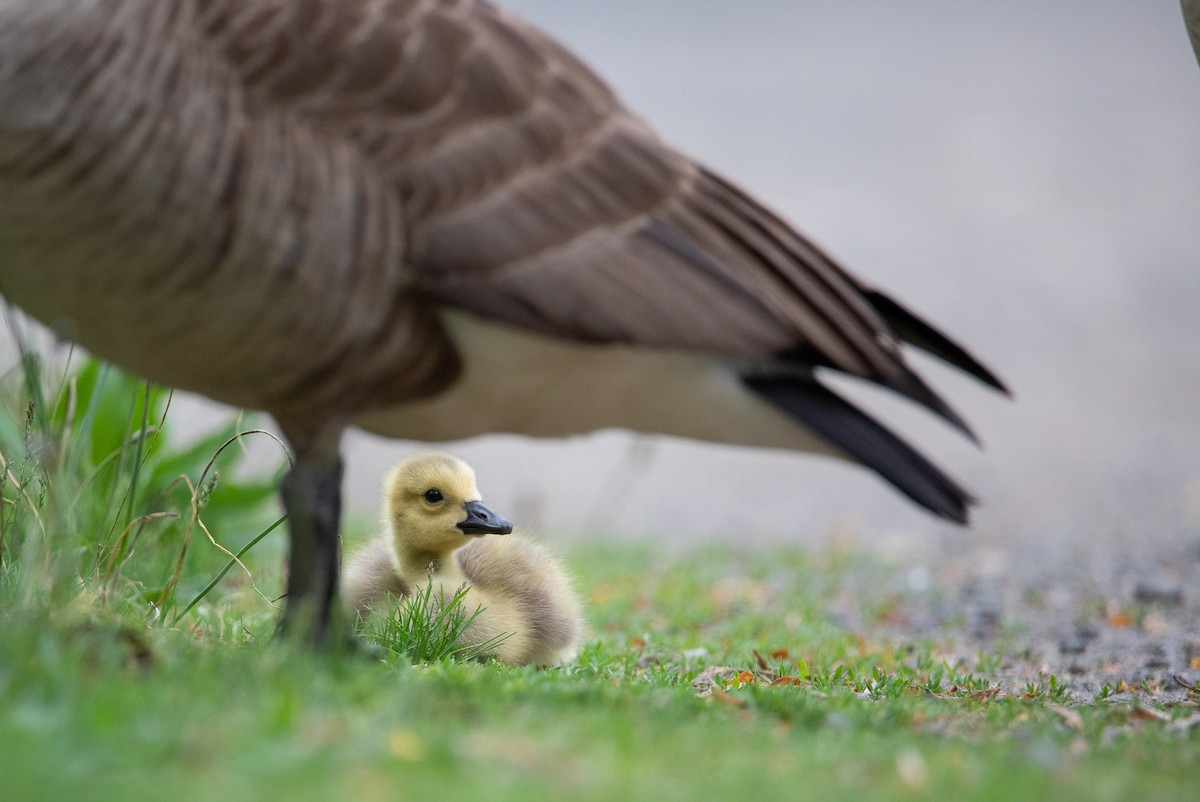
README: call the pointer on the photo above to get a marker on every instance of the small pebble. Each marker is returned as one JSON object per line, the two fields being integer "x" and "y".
{"x": 1072, "y": 644}
{"x": 1157, "y": 657}
{"x": 987, "y": 620}
{"x": 1158, "y": 591}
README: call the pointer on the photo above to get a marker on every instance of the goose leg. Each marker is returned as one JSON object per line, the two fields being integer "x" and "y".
{"x": 312, "y": 498}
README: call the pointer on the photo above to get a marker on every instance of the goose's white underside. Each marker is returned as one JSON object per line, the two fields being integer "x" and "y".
{"x": 523, "y": 383}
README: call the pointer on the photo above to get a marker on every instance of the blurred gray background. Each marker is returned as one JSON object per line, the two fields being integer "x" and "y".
{"x": 1025, "y": 174}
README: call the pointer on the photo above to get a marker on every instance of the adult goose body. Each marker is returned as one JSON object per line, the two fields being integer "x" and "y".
{"x": 424, "y": 217}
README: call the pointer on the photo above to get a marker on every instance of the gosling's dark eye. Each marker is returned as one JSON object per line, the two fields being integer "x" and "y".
{"x": 433, "y": 495}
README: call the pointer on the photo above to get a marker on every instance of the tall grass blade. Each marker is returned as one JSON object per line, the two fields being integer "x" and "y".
{"x": 425, "y": 627}
{"x": 235, "y": 560}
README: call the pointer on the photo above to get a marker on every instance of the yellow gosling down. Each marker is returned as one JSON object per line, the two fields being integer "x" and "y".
{"x": 436, "y": 526}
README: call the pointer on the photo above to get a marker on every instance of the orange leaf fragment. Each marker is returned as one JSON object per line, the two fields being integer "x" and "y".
{"x": 784, "y": 681}
{"x": 732, "y": 701}
{"x": 745, "y": 677}
{"x": 781, "y": 654}
{"x": 1144, "y": 713}
{"x": 1120, "y": 620}
{"x": 1195, "y": 662}
{"x": 638, "y": 643}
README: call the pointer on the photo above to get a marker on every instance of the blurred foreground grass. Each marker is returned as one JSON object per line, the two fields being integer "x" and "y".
{"x": 667, "y": 701}
{"x": 707, "y": 674}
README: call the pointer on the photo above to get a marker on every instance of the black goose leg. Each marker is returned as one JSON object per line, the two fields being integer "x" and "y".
{"x": 312, "y": 498}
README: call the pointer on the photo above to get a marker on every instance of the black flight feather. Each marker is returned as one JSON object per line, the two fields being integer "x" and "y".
{"x": 865, "y": 440}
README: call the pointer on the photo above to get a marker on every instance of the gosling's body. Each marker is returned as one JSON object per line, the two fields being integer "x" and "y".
{"x": 385, "y": 213}
{"x": 526, "y": 597}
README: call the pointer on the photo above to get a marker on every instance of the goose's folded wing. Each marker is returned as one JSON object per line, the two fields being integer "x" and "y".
{"x": 531, "y": 196}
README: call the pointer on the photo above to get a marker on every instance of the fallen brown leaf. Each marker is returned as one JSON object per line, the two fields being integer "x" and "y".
{"x": 706, "y": 681}
{"x": 1070, "y": 717}
{"x": 1145, "y": 713}
{"x": 985, "y": 695}
{"x": 761, "y": 662}
{"x": 1189, "y": 687}
{"x": 728, "y": 699}
{"x": 784, "y": 654}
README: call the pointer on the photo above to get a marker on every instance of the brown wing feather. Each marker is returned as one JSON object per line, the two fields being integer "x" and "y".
{"x": 531, "y": 195}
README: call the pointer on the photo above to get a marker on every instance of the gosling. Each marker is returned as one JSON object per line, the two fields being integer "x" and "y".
{"x": 434, "y": 528}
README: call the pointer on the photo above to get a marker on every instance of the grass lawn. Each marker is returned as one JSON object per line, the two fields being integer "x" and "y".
{"x": 713, "y": 674}
{"x": 667, "y": 701}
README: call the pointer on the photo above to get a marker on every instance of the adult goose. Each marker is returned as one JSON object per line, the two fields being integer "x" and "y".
{"x": 423, "y": 217}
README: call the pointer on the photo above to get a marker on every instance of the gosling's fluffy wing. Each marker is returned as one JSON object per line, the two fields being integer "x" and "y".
{"x": 370, "y": 578}
{"x": 525, "y": 577}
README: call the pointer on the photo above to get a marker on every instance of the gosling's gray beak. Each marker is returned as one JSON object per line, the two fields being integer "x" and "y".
{"x": 482, "y": 521}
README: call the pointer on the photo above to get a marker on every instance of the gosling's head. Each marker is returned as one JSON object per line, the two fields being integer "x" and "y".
{"x": 433, "y": 505}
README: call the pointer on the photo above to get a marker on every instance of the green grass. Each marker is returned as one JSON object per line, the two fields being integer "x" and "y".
{"x": 429, "y": 626}
{"x": 102, "y": 706}
{"x": 715, "y": 674}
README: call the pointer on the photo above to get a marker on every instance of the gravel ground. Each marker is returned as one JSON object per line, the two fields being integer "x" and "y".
{"x": 1133, "y": 627}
